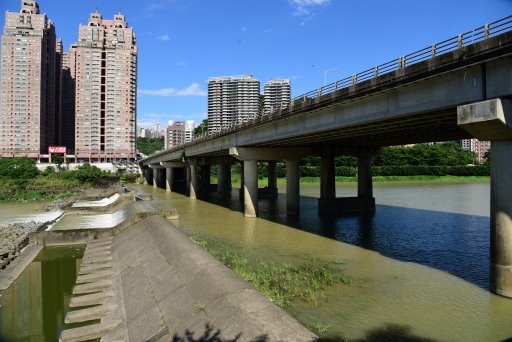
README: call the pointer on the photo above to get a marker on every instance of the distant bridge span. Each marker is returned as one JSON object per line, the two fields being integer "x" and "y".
{"x": 460, "y": 88}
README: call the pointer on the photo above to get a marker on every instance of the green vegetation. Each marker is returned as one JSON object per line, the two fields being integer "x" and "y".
{"x": 202, "y": 128}
{"x": 20, "y": 180}
{"x": 149, "y": 146}
{"x": 281, "y": 282}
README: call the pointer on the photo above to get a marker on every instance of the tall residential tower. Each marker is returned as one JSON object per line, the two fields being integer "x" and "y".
{"x": 104, "y": 64}
{"x": 232, "y": 99}
{"x": 29, "y": 83}
{"x": 277, "y": 94}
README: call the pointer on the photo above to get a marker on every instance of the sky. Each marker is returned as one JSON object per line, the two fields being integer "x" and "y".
{"x": 184, "y": 42}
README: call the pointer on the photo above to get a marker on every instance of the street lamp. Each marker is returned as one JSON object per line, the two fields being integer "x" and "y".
{"x": 325, "y": 71}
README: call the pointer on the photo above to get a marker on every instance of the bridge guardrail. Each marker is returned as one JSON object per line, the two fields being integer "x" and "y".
{"x": 452, "y": 44}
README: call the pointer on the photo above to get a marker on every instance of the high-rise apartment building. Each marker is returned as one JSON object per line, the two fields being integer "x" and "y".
{"x": 277, "y": 94}
{"x": 105, "y": 70}
{"x": 67, "y": 122}
{"x": 175, "y": 134}
{"x": 477, "y": 146}
{"x": 189, "y": 130}
{"x": 29, "y": 83}
{"x": 232, "y": 99}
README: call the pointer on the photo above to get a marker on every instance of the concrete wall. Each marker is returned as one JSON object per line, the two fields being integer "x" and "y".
{"x": 171, "y": 285}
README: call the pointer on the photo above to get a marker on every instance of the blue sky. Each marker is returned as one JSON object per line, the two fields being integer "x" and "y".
{"x": 183, "y": 42}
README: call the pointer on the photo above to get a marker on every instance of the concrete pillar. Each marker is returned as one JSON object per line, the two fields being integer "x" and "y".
{"x": 188, "y": 179}
{"x": 250, "y": 188}
{"x": 168, "y": 178}
{"x": 364, "y": 177}
{"x": 292, "y": 186}
{"x": 491, "y": 120}
{"x": 147, "y": 173}
{"x": 155, "y": 178}
{"x": 272, "y": 175}
{"x": 327, "y": 177}
{"x": 223, "y": 180}
{"x": 193, "y": 181}
{"x": 205, "y": 178}
{"x": 241, "y": 193}
{"x": 501, "y": 218}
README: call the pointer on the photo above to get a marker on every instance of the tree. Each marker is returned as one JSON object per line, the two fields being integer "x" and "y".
{"x": 18, "y": 168}
{"x": 58, "y": 159}
{"x": 202, "y": 128}
{"x": 487, "y": 157}
{"x": 149, "y": 146}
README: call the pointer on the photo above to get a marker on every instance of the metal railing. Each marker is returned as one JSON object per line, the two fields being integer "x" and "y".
{"x": 459, "y": 42}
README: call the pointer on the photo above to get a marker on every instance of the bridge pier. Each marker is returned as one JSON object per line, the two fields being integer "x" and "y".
{"x": 250, "y": 184}
{"x": 147, "y": 173}
{"x": 223, "y": 180}
{"x": 272, "y": 175}
{"x": 250, "y": 157}
{"x": 492, "y": 120}
{"x": 168, "y": 178}
{"x": 363, "y": 203}
{"x": 192, "y": 181}
{"x": 292, "y": 186}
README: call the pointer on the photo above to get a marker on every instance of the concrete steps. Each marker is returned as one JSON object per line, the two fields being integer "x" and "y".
{"x": 95, "y": 295}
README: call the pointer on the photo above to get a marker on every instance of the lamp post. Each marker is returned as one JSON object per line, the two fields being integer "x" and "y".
{"x": 325, "y": 71}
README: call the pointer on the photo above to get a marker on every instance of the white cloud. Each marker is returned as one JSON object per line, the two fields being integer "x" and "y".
{"x": 181, "y": 63}
{"x": 307, "y": 7}
{"x": 192, "y": 90}
{"x": 164, "y": 37}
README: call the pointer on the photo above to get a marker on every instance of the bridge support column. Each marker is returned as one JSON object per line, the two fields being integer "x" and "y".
{"x": 292, "y": 187}
{"x": 193, "y": 181}
{"x": 168, "y": 178}
{"x": 155, "y": 178}
{"x": 364, "y": 202}
{"x": 272, "y": 175}
{"x": 241, "y": 192}
{"x": 223, "y": 180}
{"x": 250, "y": 184}
{"x": 492, "y": 121}
{"x": 205, "y": 179}
{"x": 365, "y": 182}
{"x": 147, "y": 173}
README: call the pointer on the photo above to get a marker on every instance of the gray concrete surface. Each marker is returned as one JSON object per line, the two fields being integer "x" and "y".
{"x": 170, "y": 286}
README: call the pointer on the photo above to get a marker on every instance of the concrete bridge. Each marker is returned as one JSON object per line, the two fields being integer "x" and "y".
{"x": 460, "y": 88}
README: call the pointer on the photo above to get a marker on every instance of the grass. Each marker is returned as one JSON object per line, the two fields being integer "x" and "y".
{"x": 379, "y": 179}
{"x": 281, "y": 282}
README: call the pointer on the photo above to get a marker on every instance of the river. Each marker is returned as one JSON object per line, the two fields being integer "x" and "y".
{"x": 419, "y": 264}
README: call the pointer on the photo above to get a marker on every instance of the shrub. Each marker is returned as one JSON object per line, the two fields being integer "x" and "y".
{"x": 18, "y": 168}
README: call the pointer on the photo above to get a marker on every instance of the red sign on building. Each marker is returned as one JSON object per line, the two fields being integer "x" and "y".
{"x": 57, "y": 149}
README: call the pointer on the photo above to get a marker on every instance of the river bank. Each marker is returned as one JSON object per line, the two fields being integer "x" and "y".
{"x": 377, "y": 179}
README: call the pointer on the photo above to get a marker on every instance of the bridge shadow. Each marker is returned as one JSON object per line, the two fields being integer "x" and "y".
{"x": 451, "y": 242}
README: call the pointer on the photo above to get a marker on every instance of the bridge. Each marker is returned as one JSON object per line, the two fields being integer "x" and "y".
{"x": 459, "y": 88}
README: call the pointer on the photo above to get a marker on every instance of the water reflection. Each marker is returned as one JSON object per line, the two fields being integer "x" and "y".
{"x": 34, "y": 307}
{"x": 449, "y": 241}
{"x": 388, "y": 297}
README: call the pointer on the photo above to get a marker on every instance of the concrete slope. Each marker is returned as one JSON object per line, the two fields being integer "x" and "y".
{"x": 172, "y": 287}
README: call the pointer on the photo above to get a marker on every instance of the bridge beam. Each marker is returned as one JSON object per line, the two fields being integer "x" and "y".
{"x": 492, "y": 121}
{"x": 269, "y": 153}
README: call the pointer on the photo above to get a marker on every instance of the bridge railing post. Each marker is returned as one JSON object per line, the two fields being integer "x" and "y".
{"x": 354, "y": 79}
{"x": 486, "y": 31}
{"x": 459, "y": 41}
{"x": 434, "y": 50}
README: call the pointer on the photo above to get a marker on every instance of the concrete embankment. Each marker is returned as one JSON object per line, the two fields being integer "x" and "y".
{"x": 161, "y": 285}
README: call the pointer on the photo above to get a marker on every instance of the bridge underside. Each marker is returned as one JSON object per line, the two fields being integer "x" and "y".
{"x": 411, "y": 129}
